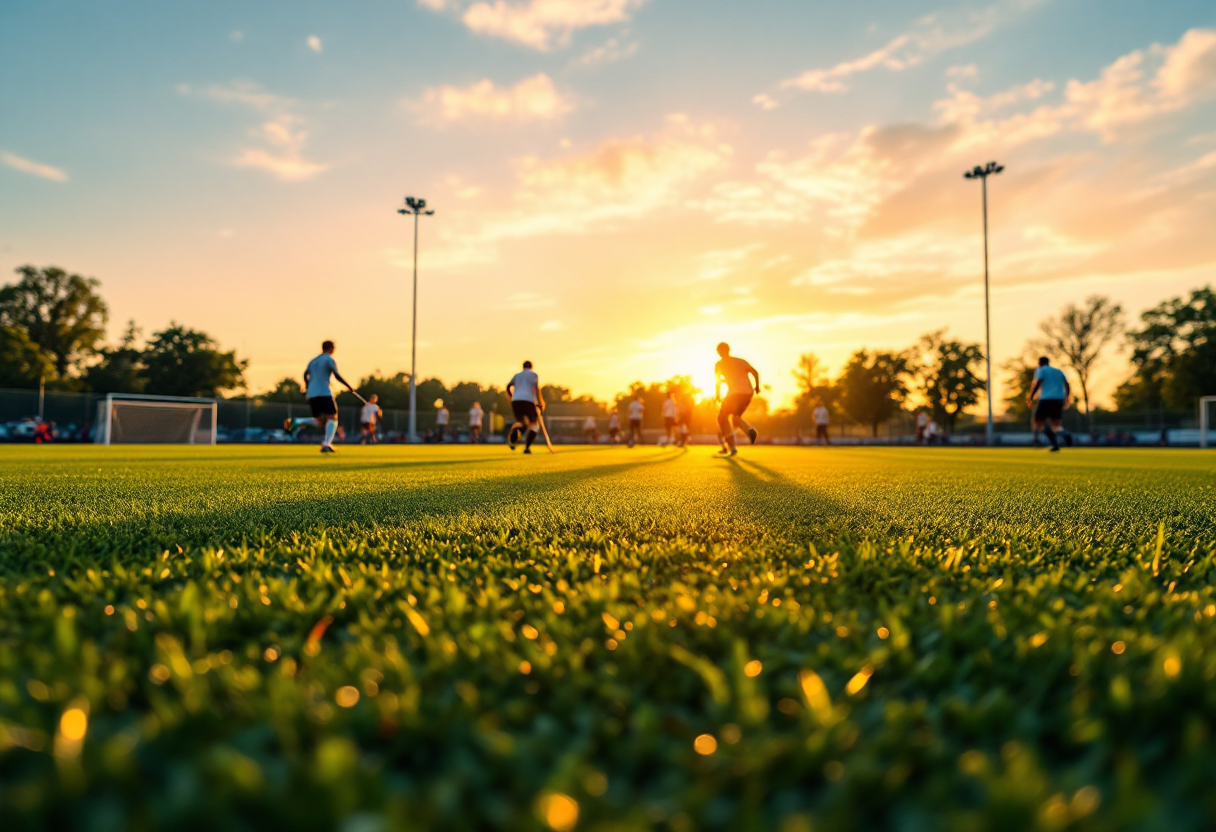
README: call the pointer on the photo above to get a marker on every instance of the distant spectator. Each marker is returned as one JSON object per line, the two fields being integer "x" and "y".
{"x": 822, "y": 418}
{"x": 441, "y": 421}
{"x": 614, "y": 428}
{"x": 475, "y": 417}
{"x": 590, "y": 431}
{"x": 922, "y": 426}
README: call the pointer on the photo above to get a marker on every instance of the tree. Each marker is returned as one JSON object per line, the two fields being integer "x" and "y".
{"x": 22, "y": 363}
{"x": 873, "y": 387}
{"x": 287, "y": 390}
{"x": 1080, "y": 334}
{"x": 121, "y": 369}
{"x": 947, "y": 376}
{"x": 61, "y": 314}
{"x": 185, "y": 362}
{"x": 813, "y": 383}
{"x": 1173, "y": 355}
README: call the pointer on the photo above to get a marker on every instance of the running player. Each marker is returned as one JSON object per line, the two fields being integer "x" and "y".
{"x": 636, "y": 408}
{"x": 736, "y": 373}
{"x": 590, "y": 432}
{"x": 1052, "y": 386}
{"x": 671, "y": 412}
{"x": 614, "y": 428}
{"x": 369, "y": 414}
{"x": 321, "y": 397}
{"x": 526, "y": 403}
{"x": 475, "y": 417}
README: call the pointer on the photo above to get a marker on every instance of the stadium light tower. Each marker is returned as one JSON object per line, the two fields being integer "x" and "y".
{"x": 982, "y": 174}
{"x": 418, "y": 208}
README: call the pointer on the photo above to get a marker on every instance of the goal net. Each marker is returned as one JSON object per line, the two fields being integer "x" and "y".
{"x": 167, "y": 420}
{"x": 1206, "y": 414}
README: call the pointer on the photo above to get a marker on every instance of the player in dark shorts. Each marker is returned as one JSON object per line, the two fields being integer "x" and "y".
{"x": 320, "y": 397}
{"x": 526, "y": 404}
{"x": 1053, "y": 390}
{"x": 737, "y": 375}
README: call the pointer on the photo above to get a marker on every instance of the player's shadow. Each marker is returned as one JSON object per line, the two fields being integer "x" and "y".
{"x": 467, "y": 506}
{"x": 785, "y": 506}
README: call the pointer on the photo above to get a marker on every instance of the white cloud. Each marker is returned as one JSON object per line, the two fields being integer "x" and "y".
{"x": 528, "y": 300}
{"x": 714, "y": 265}
{"x": 610, "y": 51}
{"x": 20, "y": 163}
{"x": 314, "y": 43}
{"x": 282, "y": 136}
{"x": 765, "y": 101}
{"x": 539, "y": 24}
{"x": 532, "y": 99}
{"x": 552, "y": 326}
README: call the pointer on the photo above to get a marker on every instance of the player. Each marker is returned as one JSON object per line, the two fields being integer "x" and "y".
{"x": 922, "y": 426}
{"x": 636, "y": 408}
{"x": 527, "y": 404}
{"x": 1053, "y": 389}
{"x": 475, "y": 416}
{"x": 369, "y": 415}
{"x": 441, "y": 421}
{"x": 671, "y": 410}
{"x": 736, "y": 373}
{"x": 822, "y": 417}
{"x": 321, "y": 397}
{"x": 614, "y": 428}
{"x": 590, "y": 432}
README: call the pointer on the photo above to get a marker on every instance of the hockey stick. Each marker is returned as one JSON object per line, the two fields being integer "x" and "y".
{"x": 548, "y": 443}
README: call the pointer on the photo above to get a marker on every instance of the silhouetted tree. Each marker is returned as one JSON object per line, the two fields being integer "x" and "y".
{"x": 22, "y": 363}
{"x": 873, "y": 386}
{"x": 60, "y": 313}
{"x": 121, "y": 369}
{"x": 184, "y": 362}
{"x": 1173, "y": 355}
{"x": 947, "y": 376}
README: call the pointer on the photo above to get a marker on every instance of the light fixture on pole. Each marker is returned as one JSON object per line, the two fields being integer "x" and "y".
{"x": 982, "y": 174}
{"x": 417, "y": 207}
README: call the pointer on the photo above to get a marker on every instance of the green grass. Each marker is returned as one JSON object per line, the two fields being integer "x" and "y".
{"x": 874, "y": 638}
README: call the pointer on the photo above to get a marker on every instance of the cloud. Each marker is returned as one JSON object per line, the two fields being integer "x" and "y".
{"x": 528, "y": 300}
{"x": 930, "y": 37}
{"x": 283, "y": 156}
{"x": 552, "y": 326}
{"x": 765, "y": 102}
{"x": 539, "y": 24}
{"x": 714, "y": 265}
{"x": 20, "y": 163}
{"x": 314, "y": 43}
{"x": 282, "y": 136}
{"x": 610, "y": 51}
{"x": 532, "y": 99}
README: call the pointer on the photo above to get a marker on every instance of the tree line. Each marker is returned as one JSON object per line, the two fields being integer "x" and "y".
{"x": 53, "y": 325}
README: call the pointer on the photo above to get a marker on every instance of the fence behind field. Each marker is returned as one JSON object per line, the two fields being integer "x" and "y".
{"x": 254, "y": 420}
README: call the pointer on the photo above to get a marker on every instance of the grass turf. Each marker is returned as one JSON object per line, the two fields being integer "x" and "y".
{"x": 606, "y": 639}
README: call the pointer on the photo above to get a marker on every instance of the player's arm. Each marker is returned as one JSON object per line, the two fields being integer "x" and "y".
{"x": 753, "y": 371}
{"x": 1067, "y": 392}
{"x": 511, "y": 388}
{"x": 307, "y": 381}
{"x": 717, "y": 387}
{"x": 540, "y": 397}
{"x": 1034, "y": 388}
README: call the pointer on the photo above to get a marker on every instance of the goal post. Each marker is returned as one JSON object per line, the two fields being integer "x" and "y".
{"x": 134, "y": 419}
{"x": 1205, "y": 422}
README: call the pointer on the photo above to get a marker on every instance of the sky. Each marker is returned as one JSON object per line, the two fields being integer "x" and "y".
{"x": 618, "y": 185}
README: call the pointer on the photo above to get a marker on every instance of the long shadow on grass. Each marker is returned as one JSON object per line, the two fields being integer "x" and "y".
{"x": 510, "y": 503}
{"x": 785, "y": 507}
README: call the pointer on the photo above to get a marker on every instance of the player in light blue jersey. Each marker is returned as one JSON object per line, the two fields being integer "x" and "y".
{"x": 1052, "y": 388}
{"x": 320, "y": 396}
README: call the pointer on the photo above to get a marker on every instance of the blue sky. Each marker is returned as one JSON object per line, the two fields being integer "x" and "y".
{"x": 619, "y": 184}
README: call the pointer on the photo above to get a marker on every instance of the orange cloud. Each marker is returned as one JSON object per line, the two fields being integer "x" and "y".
{"x": 532, "y": 99}
{"x": 539, "y": 24}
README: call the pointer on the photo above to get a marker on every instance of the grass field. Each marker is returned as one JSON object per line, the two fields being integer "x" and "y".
{"x": 435, "y": 638}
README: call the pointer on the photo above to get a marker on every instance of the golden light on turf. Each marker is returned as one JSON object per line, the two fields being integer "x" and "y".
{"x": 1172, "y": 666}
{"x": 753, "y": 668}
{"x": 525, "y": 667}
{"x": 347, "y": 696}
{"x": 859, "y": 680}
{"x": 559, "y": 811}
{"x": 1118, "y": 647}
{"x": 530, "y": 632}
{"x": 816, "y": 695}
{"x": 705, "y": 745}
{"x": 883, "y": 632}
{"x": 74, "y": 724}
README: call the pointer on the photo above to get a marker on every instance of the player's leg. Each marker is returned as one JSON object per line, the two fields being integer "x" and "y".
{"x": 726, "y": 433}
{"x": 742, "y": 423}
{"x": 533, "y": 422}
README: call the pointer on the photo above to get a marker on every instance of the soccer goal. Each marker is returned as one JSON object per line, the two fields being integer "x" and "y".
{"x": 1205, "y": 420}
{"x": 155, "y": 420}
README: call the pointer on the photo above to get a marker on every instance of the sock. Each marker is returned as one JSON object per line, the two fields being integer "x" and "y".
{"x": 1051, "y": 436}
{"x": 331, "y": 428}
{"x": 530, "y": 439}
{"x": 730, "y": 440}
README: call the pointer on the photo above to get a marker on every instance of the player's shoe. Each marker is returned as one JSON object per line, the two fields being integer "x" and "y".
{"x": 326, "y": 449}
{"x": 724, "y": 452}
{"x": 1054, "y": 450}
{"x": 527, "y": 450}
{"x": 513, "y": 438}
{"x": 751, "y": 434}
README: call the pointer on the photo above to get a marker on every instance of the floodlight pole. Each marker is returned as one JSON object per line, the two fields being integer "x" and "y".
{"x": 982, "y": 174}
{"x": 416, "y": 207}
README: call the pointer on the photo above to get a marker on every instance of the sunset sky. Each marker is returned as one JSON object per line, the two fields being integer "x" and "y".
{"x": 618, "y": 184}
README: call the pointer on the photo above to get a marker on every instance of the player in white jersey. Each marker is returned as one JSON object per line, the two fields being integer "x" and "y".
{"x": 822, "y": 418}
{"x": 590, "y": 431}
{"x": 442, "y": 417}
{"x": 1053, "y": 390}
{"x": 736, "y": 374}
{"x": 614, "y": 428}
{"x": 637, "y": 407}
{"x": 527, "y": 404}
{"x": 369, "y": 415}
{"x": 321, "y": 397}
{"x": 476, "y": 414}
{"x": 671, "y": 413}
